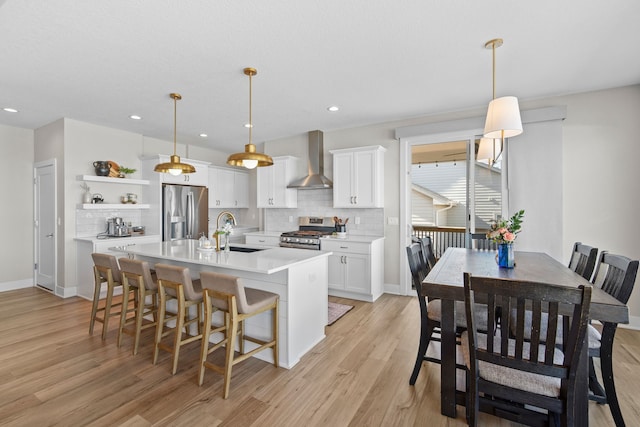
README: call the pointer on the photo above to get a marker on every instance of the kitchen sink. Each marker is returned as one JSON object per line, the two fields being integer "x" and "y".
{"x": 244, "y": 249}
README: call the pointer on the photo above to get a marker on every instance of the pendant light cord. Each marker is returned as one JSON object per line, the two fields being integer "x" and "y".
{"x": 250, "y": 117}
{"x": 175, "y": 123}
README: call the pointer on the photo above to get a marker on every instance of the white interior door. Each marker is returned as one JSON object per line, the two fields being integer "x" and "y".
{"x": 45, "y": 225}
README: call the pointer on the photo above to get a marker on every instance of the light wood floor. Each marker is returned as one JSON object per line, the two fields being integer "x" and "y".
{"x": 53, "y": 373}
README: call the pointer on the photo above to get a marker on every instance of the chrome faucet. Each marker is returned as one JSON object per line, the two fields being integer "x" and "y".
{"x": 229, "y": 216}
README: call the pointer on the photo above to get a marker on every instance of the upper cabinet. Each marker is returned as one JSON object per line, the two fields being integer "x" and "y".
{"x": 272, "y": 184}
{"x": 199, "y": 177}
{"x": 358, "y": 177}
{"x": 228, "y": 188}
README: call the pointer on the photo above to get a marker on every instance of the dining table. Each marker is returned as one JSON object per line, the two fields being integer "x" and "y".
{"x": 446, "y": 282}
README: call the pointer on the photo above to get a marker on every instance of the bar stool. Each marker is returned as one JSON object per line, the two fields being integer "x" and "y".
{"x": 174, "y": 283}
{"x": 105, "y": 269}
{"x": 228, "y": 294}
{"x": 137, "y": 278}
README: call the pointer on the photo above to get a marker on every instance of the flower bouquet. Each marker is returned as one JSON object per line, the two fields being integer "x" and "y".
{"x": 504, "y": 233}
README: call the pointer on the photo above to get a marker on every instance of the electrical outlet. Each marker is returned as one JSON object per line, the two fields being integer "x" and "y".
{"x": 290, "y": 218}
{"x": 393, "y": 220}
{"x": 357, "y": 220}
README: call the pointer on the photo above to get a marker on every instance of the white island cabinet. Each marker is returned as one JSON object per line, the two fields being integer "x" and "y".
{"x": 358, "y": 177}
{"x": 298, "y": 276}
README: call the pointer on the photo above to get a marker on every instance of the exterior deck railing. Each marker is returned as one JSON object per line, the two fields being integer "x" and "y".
{"x": 446, "y": 237}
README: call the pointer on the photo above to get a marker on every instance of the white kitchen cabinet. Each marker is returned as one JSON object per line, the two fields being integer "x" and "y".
{"x": 228, "y": 188}
{"x": 272, "y": 184}
{"x": 356, "y": 269}
{"x": 199, "y": 177}
{"x": 358, "y": 177}
{"x": 84, "y": 263}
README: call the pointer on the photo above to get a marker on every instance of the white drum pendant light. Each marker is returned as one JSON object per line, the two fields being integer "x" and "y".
{"x": 503, "y": 116}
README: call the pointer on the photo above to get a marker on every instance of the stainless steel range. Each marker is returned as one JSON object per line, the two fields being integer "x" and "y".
{"x": 311, "y": 229}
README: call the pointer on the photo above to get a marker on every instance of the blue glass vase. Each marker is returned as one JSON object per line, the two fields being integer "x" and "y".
{"x": 505, "y": 255}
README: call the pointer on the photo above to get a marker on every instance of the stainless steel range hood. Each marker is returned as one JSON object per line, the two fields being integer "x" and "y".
{"x": 315, "y": 180}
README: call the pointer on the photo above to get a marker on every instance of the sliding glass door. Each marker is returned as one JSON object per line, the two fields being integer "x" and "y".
{"x": 452, "y": 193}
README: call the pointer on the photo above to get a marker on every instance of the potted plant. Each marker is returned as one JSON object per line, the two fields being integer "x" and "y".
{"x": 124, "y": 171}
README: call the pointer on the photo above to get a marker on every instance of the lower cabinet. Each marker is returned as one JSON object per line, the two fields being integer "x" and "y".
{"x": 355, "y": 269}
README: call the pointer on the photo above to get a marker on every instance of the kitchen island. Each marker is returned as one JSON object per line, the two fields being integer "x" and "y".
{"x": 299, "y": 276}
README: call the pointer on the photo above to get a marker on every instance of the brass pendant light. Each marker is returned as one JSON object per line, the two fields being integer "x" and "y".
{"x": 250, "y": 158}
{"x": 174, "y": 166}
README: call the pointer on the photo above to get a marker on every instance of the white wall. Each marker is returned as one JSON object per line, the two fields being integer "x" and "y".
{"x": 16, "y": 199}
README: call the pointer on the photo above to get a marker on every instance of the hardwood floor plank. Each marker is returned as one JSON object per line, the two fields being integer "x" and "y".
{"x": 52, "y": 372}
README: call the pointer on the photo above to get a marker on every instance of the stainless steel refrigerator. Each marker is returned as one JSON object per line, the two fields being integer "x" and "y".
{"x": 185, "y": 211}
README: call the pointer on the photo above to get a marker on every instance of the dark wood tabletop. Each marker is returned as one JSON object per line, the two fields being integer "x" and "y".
{"x": 445, "y": 281}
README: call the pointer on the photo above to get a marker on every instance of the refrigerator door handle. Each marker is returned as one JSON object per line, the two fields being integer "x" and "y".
{"x": 191, "y": 216}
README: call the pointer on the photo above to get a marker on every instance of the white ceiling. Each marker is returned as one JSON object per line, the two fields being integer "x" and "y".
{"x": 379, "y": 60}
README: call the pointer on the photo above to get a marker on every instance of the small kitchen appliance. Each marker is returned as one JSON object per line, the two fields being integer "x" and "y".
{"x": 117, "y": 228}
{"x": 311, "y": 229}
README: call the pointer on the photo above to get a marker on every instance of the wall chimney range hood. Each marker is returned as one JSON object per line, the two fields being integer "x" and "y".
{"x": 315, "y": 180}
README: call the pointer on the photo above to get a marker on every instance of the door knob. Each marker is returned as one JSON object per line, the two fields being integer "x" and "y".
{"x": 49, "y": 235}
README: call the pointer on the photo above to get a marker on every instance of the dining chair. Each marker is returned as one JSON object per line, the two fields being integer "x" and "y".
{"x": 138, "y": 278}
{"x": 175, "y": 283}
{"x": 616, "y": 275}
{"x": 480, "y": 241}
{"x": 583, "y": 259}
{"x": 228, "y": 294}
{"x": 428, "y": 255}
{"x": 507, "y": 372}
{"x": 430, "y": 311}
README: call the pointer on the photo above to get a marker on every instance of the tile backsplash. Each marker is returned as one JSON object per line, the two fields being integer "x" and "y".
{"x": 92, "y": 222}
{"x": 319, "y": 203}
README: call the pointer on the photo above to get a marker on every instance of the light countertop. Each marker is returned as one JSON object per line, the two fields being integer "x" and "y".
{"x": 123, "y": 239}
{"x": 267, "y": 261}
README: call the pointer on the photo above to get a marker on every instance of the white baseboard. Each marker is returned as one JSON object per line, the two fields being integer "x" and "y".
{"x": 66, "y": 292}
{"x": 392, "y": 288}
{"x": 16, "y": 284}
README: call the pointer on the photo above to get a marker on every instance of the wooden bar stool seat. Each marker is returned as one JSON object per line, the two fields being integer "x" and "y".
{"x": 138, "y": 278}
{"x": 105, "y": 269}
{"x": 174, "y": 283}
{"x": 228, "y": 294}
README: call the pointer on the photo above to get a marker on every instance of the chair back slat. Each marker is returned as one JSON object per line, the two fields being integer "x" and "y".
{"x": 416, "y": 265}
{"x": 616, "y": 275}
{"x": 480, "y": 241}
{"x": 547, "y": 303}
{"x": 583, "y": 259}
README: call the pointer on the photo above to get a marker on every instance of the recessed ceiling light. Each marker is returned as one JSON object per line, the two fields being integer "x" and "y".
{"x": 248, "y": 125}
{"x": 134, "y": 117}
{"x": 10, "y": 110}
{"x": 203, "y": 135}
{"x": 333, "y": 108}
